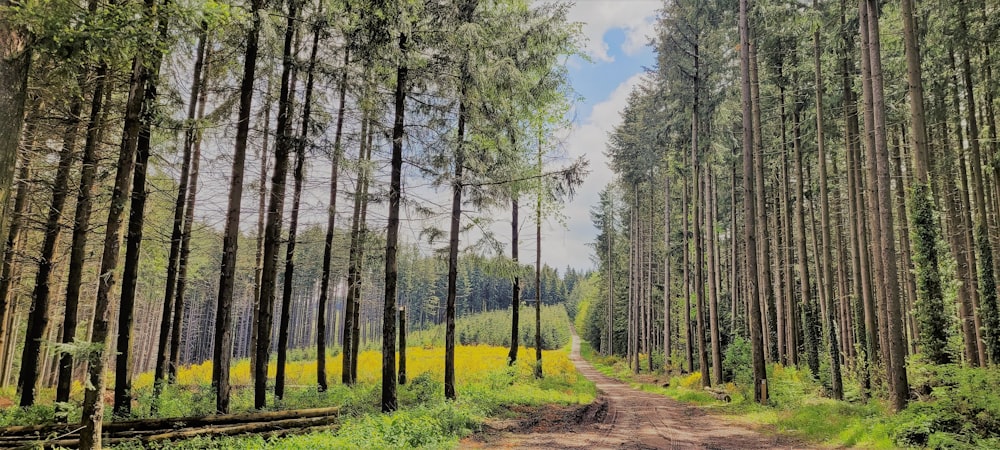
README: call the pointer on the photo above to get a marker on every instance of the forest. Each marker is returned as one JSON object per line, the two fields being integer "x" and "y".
{"x": 313, "y": 215}
{"x": 812, "y": 184}
{"x": 192, "y": 181}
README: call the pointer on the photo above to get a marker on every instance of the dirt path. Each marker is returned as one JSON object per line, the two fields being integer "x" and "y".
{"x": 623, "y": 417}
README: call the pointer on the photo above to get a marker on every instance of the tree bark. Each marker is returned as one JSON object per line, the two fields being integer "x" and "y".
{"x": 275, "y": 211}
{"x": 93, "y": 404}
{"x": 38, "y": 317}
{"x": 389, "y": 377}
{"x": 330, "y": 229}
{"x": 223, "y": 348}
{"x": 749, "y": 205}
{"x": 163, "y": 347}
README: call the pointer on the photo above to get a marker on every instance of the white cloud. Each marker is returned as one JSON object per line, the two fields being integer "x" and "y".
{"x": 588, "y": 139}
{"x": 634, "y": 17}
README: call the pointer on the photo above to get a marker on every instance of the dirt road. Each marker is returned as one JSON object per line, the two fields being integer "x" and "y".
{"x": 623, "y": 417}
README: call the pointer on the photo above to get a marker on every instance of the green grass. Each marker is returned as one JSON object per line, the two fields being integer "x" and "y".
{"x": 424, "y": 420}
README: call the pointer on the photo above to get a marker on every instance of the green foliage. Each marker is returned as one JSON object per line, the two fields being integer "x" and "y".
{"x": 930, "y": 310}
{"x": 961, "y": 409}
{"x": 493, "y": 328}
{"x": 737, "y": 359}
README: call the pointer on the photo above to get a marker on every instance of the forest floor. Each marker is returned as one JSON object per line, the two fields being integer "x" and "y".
{"x": 622, "y": 417}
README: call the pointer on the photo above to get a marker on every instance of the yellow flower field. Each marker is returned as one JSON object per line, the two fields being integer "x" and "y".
{"x": 471, "y": 363}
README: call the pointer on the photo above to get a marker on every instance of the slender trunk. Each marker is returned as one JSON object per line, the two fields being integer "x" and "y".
{"x": 93, "y": 402}
{"x": 667, "y": 343}
{"x": 163, "y": 347}
{"x": 182, "y": 263}
{"x": 136, "y": 217}
{"x": 808, "y": 306}
{"x": 538, "y": 274}
{"x": 8, "y": 299}
{"x": 713, "y": 286}
{"x": 298, "y": 176}
{"x": 331, "y": 219}
{"x": 223, "y": 348}
{"x": 773, "y": 338}
{"x": 38, "y": 317}
{"x": 275, "y": 211}
{"x": 688, "y": 333}
{"x": 351, "y": 313}
{"x": 392, "y": 239}
{"x": 837, "y": 383}
{"x": 515, "y": 300}
{"x": 749, "y": 204}
{"x": 456, "y": 216}
{"x": 896, "y": 372}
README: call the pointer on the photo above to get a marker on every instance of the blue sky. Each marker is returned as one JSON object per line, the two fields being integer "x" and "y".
{"x": 617, "y": 33}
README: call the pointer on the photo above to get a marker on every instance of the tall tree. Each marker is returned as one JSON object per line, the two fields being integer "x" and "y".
{"x": 389, "y": 380}
{"x": 93, "y": 402}
{"x": 223, "y": 348}
{"x": 275, "y": 211}
{"x": 750, "y": 228}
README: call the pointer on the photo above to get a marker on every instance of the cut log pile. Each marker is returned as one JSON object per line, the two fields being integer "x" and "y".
{"x": 171, "y": 429}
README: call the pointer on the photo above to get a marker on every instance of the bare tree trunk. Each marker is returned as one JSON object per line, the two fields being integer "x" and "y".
{"x": 515, "y": 301}
{"x": 137, "y": 211}
{"x": 38, "y": 317}
{"x": 713, "y": 288}
{"x": 182, "y": 263}
{"x": 836, "y": 381}
{"x": 749, "y": 203}
{"x": 275, "y": 211}
{"x": 163, "y": 347}
{"x": 223, "y": 348}
{"x": 896, "y": 372}
{"x": 667, "y": 342}
{"x": 389, "y": 377}
{"x": 8, "y": 299}
{"x": 301, "y": 145}
{"x": 93, "y": 403}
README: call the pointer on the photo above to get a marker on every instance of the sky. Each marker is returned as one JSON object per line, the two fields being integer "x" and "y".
{"x": 617, "y": 33}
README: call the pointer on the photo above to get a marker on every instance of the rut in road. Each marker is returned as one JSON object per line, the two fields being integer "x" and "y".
{"x": 623, "y": 417}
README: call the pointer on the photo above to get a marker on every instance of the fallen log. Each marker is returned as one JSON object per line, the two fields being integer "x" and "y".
{"x": 719, "y": 394}
{"x": 68, "y": 435}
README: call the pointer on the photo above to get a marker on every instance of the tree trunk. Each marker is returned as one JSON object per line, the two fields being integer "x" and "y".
{"x": 163, "y": 347}
{"x": 223, "y": 348}
{"x": 667, "y": 343}
{"x": 351, "y": 312}
{"x": 136, "y": 216}
{"x": 515, "y": 300}
{"x": 713, "y": 288}
{"x": 38, "y": 317}
{"x": 389, "y": 376}
{"x": 182, "y": 263}
{"x": 8, "y": 301}
{"x": 538, "y": 274}
{"x": 93, "y": 404}
{"x": 749, "y": 204}
{"x": 456, "y": 216}
{"x": 896, "y": 371}
{"x": 773, "y": 337}
{"x": 275, "y": 211}
{"x": 298, "y": 175}
{"x": 837, "y": 384}
{"x": 330, "y": 228}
